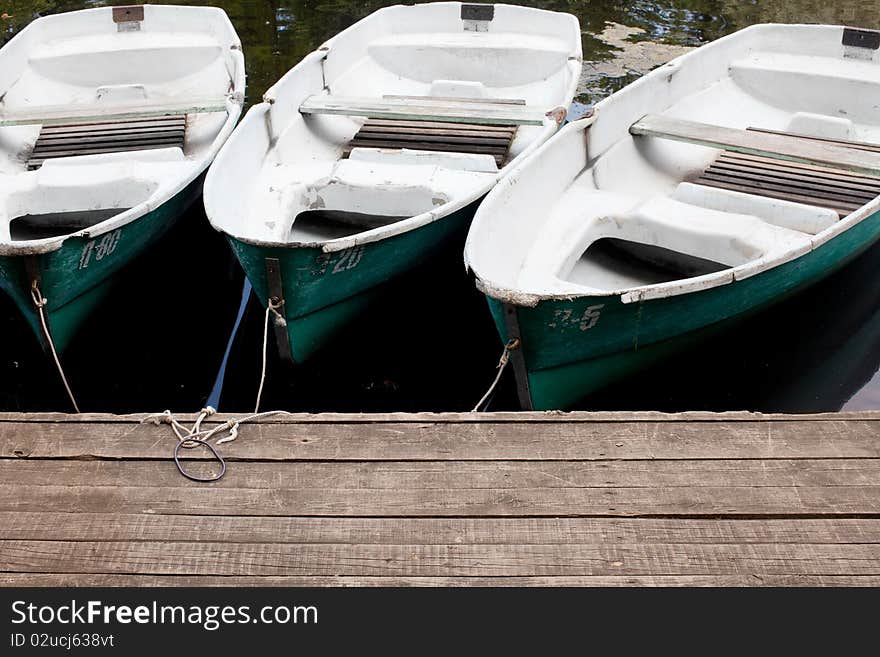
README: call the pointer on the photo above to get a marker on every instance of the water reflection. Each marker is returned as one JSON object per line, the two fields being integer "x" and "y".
{"x": 160, "y": 343}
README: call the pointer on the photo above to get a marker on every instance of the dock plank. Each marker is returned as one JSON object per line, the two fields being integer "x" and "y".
{"x": 487, "y": 502}
{"x": 48, "y": 526}
{"x": 427, "y": 440}
{"x": 609, "y": 499}
{"x": 462, "y": 560}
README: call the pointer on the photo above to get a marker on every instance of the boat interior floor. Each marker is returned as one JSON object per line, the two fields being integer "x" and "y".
{"x": 440, "y": 136}
{"x": 95, "y": 137}
{"x": 372, "y": 188}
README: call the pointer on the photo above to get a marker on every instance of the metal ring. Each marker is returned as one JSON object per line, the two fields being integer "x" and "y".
{"x": 192, "y": 477}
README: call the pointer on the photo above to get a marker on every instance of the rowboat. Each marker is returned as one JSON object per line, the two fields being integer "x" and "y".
{"x": 373, "y": 151}
{"x": 712, "y": 187}
{"x": 108, "y": 119}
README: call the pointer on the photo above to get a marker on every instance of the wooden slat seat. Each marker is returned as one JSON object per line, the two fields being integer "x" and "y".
{"x": 827, "y": 173}
{"x": 427, "y": 108}
{"x": 107, "y": 137}
{"x": 63, "y": 115}
{"x": 825, "y": 187}
{"x": 774, "y": 145}
{"x": 435, "y": 136}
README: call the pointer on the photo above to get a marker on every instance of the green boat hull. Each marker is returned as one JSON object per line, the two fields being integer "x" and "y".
{"x": 323, "y": 292}
{"x": 75, "y": 278}
{"x": 570, "y": 348}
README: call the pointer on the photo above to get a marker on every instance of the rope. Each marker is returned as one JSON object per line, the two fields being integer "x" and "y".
{"x": 502, "y": 363}
{"x": 272, "y": 307}
{"x": 40, "y": 302}
{"x": 195, "y": 436}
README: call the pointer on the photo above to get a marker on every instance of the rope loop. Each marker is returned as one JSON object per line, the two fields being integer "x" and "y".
{"x": 189, "y": 443}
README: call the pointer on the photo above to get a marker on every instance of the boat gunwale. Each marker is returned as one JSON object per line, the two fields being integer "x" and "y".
{"x": 234, "y": 103}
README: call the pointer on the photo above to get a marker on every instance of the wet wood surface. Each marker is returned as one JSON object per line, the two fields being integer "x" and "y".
{"x": 495, "y": 499}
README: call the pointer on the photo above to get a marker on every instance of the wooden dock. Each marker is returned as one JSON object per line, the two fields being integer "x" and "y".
{"x": 496, "y": 499}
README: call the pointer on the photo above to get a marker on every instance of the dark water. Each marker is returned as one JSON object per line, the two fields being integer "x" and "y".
{"x": 429, "y": 344}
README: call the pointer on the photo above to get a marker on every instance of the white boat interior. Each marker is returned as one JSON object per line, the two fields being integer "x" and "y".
{"x": 106, "y": 113}
{"x": 399, "y": 120}
{"x": 736, "y": 157}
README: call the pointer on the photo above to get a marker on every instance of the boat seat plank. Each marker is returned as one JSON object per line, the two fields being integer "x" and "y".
{"x": 62, "y": 115}
{"x": 443, "y": 137}
{"x": 431, "y": 109}
{"x": 107, "y": 137}
{"x": 772, "y": 145}
{"x": 835, "y": 189}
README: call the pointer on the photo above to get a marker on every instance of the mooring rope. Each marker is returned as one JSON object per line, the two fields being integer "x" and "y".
{"x": 271, "y": 307}
{"x": 40, "y": 302}
{"x": 502, "y": 363}
{"x": 195, "y": 436}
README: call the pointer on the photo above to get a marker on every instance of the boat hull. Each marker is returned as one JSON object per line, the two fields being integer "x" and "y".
{"x": 570, "y": 348}
{"x": 75, "y": 278}
{"x": 325, "y": 291}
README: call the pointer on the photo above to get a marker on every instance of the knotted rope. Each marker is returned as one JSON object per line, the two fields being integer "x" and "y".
{"x": 502, "y": 363}
{"x": 40, "y": 303}
{"x": 188, "y": 438}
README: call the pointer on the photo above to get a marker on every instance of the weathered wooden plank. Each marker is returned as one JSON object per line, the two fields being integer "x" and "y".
{"x": 787, "y": 170}
{"x": 797, "y": 180}
{"x": 444, "y": 475}
{"x": 465, "y": 441}
{"x": 63, "y": 141}
{"x": 68, "y": 114}
{"x": 783, "y": 147}
{"x": 862, "y": 145}
{"x": 498, "y": 142}
{"x": 428, "y": 145}
{"x": 751, "y": 580}
{"x": 159, "y": 123}
{"x": 55, "y": 526}
{"x": 798, "y": 166}
{"x": 272, "y": 559}
{"x": 388, "y": 128}
{"x": 747, "y": 179}
{"x": 428, "y": 109}
{"x": 778, "y": 501}
{"x": 441, "y": 125}
{"x": 459, "y": 99}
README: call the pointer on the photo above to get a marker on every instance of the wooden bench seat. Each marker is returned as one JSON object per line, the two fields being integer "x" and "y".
{"x": 68, "y": 114}
{"x": 774, "y": 145}
{"x": 827, "y": 173}
{"x": 435, "y": 136}
{"x": 427, "y": 108}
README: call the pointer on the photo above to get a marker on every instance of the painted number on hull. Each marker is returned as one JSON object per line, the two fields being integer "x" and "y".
{"x": 348, "y": 259}
{"x": 99, "y": 248}
{"x": 585, "y": 321}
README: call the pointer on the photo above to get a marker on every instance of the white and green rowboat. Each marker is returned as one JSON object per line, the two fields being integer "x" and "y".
{"x": 374, "y": 150}
{"x": 716, "y": 185}
{"x": 108, "y": 119}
